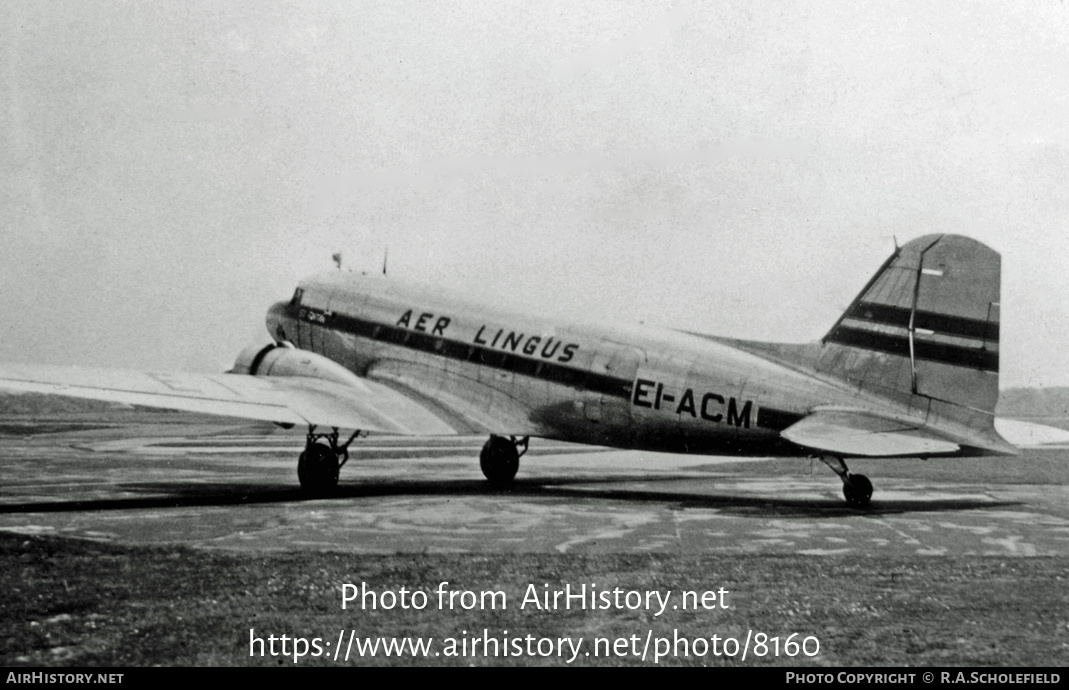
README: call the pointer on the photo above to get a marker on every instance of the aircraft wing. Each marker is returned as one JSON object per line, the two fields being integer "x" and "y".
{"x": 863, "y": 433}
{"x": 365, "y": 405}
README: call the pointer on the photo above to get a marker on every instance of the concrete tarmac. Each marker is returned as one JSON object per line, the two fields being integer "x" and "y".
{"x": 234, "y": 486}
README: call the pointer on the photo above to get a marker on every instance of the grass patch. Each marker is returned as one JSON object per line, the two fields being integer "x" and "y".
{"x": 79, "y": 603}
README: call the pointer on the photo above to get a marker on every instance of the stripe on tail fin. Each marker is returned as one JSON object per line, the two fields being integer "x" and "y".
{"x": 926, "y": 326}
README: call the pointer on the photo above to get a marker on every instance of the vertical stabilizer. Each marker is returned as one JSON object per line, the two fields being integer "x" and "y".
{"x": 925, "y": 328}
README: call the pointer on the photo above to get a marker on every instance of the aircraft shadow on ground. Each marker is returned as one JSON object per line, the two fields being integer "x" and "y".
{"x": 201, "y": 494}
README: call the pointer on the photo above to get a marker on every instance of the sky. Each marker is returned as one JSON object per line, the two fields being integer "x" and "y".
{"x": 168, "y": 170}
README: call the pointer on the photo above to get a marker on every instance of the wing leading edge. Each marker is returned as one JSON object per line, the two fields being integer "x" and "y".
{"x": 366, "y": 405}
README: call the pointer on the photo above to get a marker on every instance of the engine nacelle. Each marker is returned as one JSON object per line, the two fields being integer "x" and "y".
{"x": 282, "y": 360}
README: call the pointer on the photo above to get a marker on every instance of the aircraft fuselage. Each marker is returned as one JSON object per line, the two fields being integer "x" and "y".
{"x": 508, "y": 373}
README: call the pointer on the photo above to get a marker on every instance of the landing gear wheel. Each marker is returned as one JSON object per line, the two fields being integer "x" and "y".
{"x": 858, "y": 490}
{"x": 499, "y": 460}
{"x": 322, "y": 459}
{"x": 317, "y": 468}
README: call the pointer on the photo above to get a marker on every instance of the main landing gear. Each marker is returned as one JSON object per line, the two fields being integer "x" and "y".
{"x": 322, "y": 459}
{"x": 856, "y": 487}
{"x": 500, "y": 458}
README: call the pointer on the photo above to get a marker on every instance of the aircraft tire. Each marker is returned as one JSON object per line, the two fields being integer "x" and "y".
{"x": 857, "y": 490}
{"x": 499, "y": 460}
{"x": 317, "y": 469}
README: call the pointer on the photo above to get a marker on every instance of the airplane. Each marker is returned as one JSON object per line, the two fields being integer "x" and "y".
{"x": 910, "y": 369}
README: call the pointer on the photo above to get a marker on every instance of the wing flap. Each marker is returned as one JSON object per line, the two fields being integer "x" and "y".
{"x": 288, "y": 400}
{"x": 861, "y": 433}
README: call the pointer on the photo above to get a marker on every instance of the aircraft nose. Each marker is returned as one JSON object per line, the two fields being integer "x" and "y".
{"x": 274, "y": 321}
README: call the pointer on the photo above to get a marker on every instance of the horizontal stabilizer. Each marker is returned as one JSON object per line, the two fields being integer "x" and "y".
{"x": 860, "y": 433}
{"x": 1031, "y": 435}
{"x": 289, "y": 400}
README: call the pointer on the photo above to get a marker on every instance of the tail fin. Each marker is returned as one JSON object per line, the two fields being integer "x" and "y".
{"x": 926, "y": 328}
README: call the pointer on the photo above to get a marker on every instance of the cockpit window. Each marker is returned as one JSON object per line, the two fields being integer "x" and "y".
{"x": 297, "y": 294}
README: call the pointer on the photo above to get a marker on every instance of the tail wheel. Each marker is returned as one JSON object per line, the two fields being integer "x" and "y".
{"x": 317, "y": 469}
{"x": 499, "y": 460}
{"x": 858, "y": 490}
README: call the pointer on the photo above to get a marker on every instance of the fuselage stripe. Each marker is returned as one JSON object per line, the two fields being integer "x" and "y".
{"x": 777, "y": 420}
{"x": 477, "y": 354}
{"x": 767, "y": 417}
